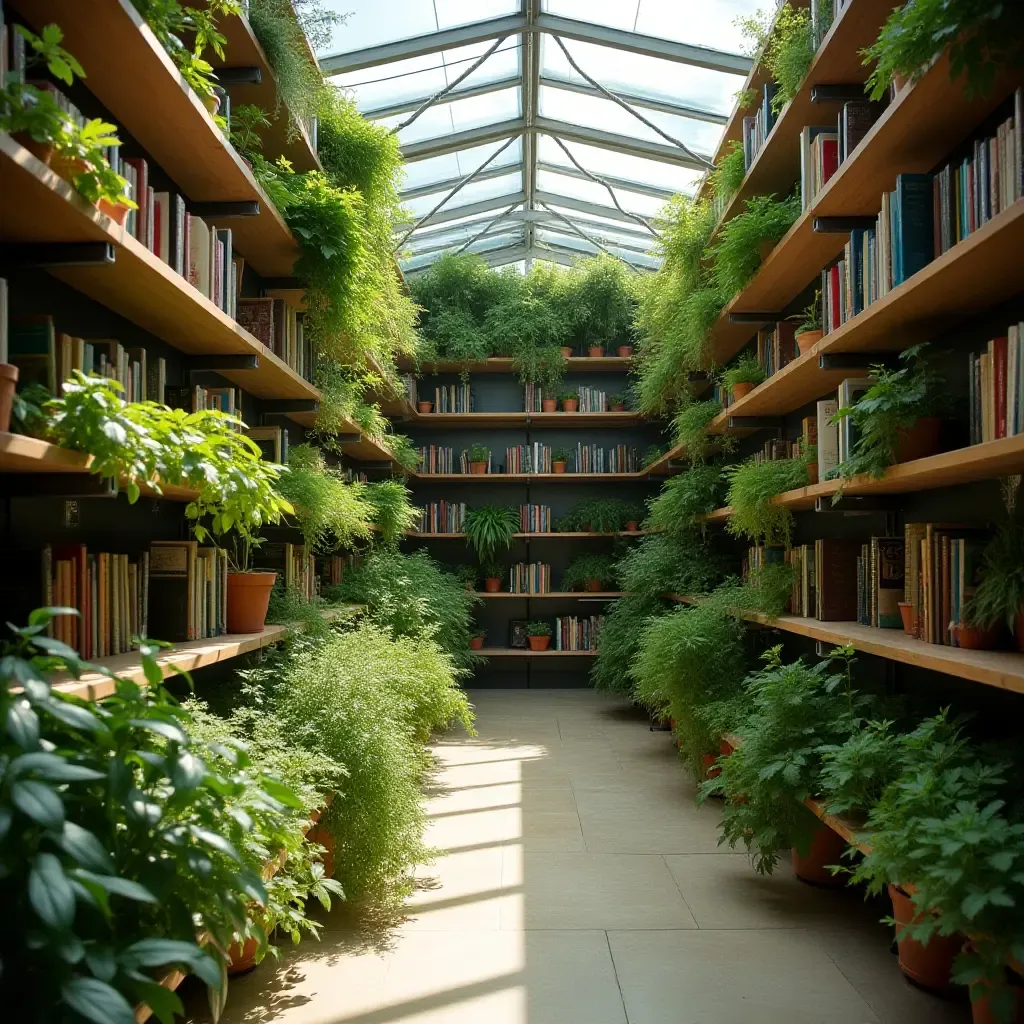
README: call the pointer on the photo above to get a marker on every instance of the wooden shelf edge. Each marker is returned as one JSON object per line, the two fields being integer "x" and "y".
{"x": 582, "y": 594}
{"x": 529, "y": 477}
{"x": 518, "y": 652}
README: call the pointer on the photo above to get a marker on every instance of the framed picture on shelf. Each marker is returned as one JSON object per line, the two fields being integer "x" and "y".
{"x": 517, "y": 633}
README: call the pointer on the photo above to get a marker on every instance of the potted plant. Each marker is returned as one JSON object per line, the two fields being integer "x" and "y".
{"x": 617, "y": 403}
{"x": 625, "y": 351}
{"x": 490, "y": 529}
{"x": 549, "y": 405}
{"x": 424, "y": 407}
{"x": 566, "y": 351}
{"x": 81, "y": 160}
{"x": 559, "y": 459}
{"x": 479, "y": 456}
{"x": 492, "y": 571}
{"x": 595, "y": 351}
{"x": 570, "y": 401}
{"x": 742, "y": 378}
{"x": 538, "y": 635}
{"x": 476, "y": 640}
{"x": 809, "y": 332}
{"x": 634, "y": 516}
{"x": 999, "y": 597}
{"x": 589, "y": 572}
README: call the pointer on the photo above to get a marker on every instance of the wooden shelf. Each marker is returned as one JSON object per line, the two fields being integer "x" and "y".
{"x": 286, "y": 136}
{"x": 38, "y": 206}
{"x": 533, "y": 536}
{"x": 22, "y": 454}
{"x": 519, "y": 652}
{"x": 596, "y": 595}
{"x": 537, "y": 419}
{"x": 115, "y": 46}
{"x": 574, "y": 364}
{"x": 524, "y": 478}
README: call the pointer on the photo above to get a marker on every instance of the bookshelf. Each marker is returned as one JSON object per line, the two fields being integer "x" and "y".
{"x": 562, "y": 420}
{"x": 511, "y": 478}
{"x": 555, "y": 535}
{"x": 519, "y": 652}
{"x": 494, "y": 364}
{"x": 578, "y": 595}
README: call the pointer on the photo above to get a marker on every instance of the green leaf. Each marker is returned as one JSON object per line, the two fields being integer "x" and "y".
{"x": 279, "y": 791}
{"x": 39, "y": 801}
{"x": 97, "y": 1001}
{"x": 102, "y": 962}
{"x": 187, "y": 771}
{"x": 164, "y": 1003}
{"x": 22, "y": 725}
{"x": 81, "y": 844}
{"x": 215, "y": 840}
{"x": 160, "y": 953}
{"x": 50, "y": 892}
{"x": 75, "y": 716}
{"x": 161, "y": 728}
{"x": 118, "y": 886}
{"x": 52, "y": 767}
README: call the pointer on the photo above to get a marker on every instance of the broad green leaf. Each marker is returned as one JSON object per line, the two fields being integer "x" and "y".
{"x": 118, "y": 886}
{"x": 52, "y": 768}
{"x": 81, "y": 844}
{"x": 50, "y": 892}
{"x": 279, "y": 791}
{"x": 97, "y": 1001}
{"x": 161, "y": 728}
{"x": 39, "y": 801}
{"x": 22, "y": 725}
{"x": 187, "y": 771}
{"x": 164, "y": 1003}
{"x": 215, "y": 840}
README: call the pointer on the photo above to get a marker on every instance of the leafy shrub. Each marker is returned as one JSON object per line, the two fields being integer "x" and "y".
{"x": 689, "y": 428}
{"x": 584, "y": 568}
{"x": 490, "y": 528}
{"x": 599, "y": 299}
{"x": 684, "y": 498}
{"x": 623, "y": 627}
{"x": 663, "y": 564}
{"x": 728, "y": 176}
{"x": 746, "y": 370}
{"x": 393, "y": 514}
{"x": 752, "y": 486}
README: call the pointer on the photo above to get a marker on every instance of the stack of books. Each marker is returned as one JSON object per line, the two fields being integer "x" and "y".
{"x": 592, "y": 400}
{"x": 532, "y": 398}
{"x": 198, "y": 398}
{"x": 275, "y": 323}
{"x": 880, "y": 582}
{"x": 529, "y": 578}
{"x": 442, "y": 517}
{"x": 109, "y": 591}
{"x": 534, "y": 519}
{"x": 573, "y": 633}
{"x": 757, "y": 128}
{"x": 592, "y": 459}
{"x": 996, "y": 387}
{"x": 528, "y": 458}
{"x": 776, "y": 346}
{"x": 436, "y": 459}
{"x": 453, "y": 398}
{"x": 294, "y": 564}
{"x": 187, "y": 590}
{"x": 332, "y": 568}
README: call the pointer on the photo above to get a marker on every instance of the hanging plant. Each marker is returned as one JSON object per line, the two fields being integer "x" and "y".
{"x": 753, "y": 486}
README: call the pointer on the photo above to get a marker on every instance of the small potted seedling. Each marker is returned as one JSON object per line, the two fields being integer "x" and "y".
{"x": 538, "y": 635}
{"x": 635, "y": 514}
{"x": 742, "y": 378}
{"x": 625, "y": 351}
{"x": 492, "y": 571}
{"x": 595, "y": 351}
{"x": 476, "y": 640}
{"x": 617, "y": 403}
{"x": 548, "y": 404}
{"x": 424, "y": 407}
{"x": 809, "y": 333}
{"x": 570, "y": 401}
{"x": 559, "y": 459}
{"x": 479, "y": 455}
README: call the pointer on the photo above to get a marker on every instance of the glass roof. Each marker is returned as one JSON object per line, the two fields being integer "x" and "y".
{"x": 524, "y": 156}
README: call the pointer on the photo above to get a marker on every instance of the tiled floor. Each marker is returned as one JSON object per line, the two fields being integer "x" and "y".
{"x": 579, "y": 883}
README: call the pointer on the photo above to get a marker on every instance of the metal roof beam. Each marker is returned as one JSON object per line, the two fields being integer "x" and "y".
{"x": 553, "y": 224}
{"x": 644, "y": 263}
{"x": 582, "y": 206}
{"x": 655, "y": 191}
{"x": 503, "y": 229}
{"x": 463, "y": 140}
{"x": 419, "y": 46}
{"x": 615, "y": 142}
{"x": 494, "y": 171}
{"x": 635, "y": 99}
{"x": 649, "y": 46}
{"x": 465, "y": 92}
{"x": 472, "y": 209}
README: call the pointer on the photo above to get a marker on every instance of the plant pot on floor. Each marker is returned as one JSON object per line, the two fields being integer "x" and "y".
{"x": 248, "y": 600}
{"x": 592, "y": 586}
{"x": 926, "y": 965}
{"x": 625, "y": 351}
{"x": 478, "y": 467}
{"x": 806, "y": 340}
{"x": 492, "y": 585}
{"x": 1012, "y": 985}
{"x": 558, "y": 467}
{"x": 920, "y": 440}
{"x": 242, "y": 956}
{"x": 570, "y": 404}
{"x": 974, "y": 638}
{"x": 566, "y": 352}
{"x": 632, "y": 526}
{"x": 596, "y": 351}
{"x": 549, "y": 405}
{"x": 907, "y": 614}
{"x": 710, "y": 769}
{"x": 476, "y": 643}
{"x": 538, "y": 643}
{"x": 741, "y": 390}
{"x": 826, "y": 848}
{"x": 424, "y": 406}
{"x": 8, "y": 385}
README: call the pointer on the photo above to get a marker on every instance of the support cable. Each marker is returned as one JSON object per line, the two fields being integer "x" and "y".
{"x": 483, "y": 231}
{"x": 584, "y": 235}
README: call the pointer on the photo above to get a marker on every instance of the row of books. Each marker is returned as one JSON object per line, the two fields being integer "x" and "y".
{"x": 533, "y": 395}
{"x": 453, "y": 398}
{"x": 823, "y": 148}
{"x": 528, "y": 458}
{"x": 880, "y": 582}
{"x": 996, "y": 387}
{"x": 437, "y": 459}
{"x": 574, "y": 633}
{"x": 835, "y": 441}
{"x": 590, "y": 458}
{"x": 442, "y": 517}
{"x": 534, "y": 519}
{"x": 757, "y": 127}
{"x": 529, "y": 578}
{"x": 776, "y": 346}
{"x": 199, "y": 397}
{"x": 592, "y": 400}
{"x": 331, "y": 569}
{"x": 277, "y": 324}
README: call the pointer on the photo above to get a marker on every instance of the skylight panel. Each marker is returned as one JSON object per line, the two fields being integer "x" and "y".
{"x": 507, "y": 184}
{"x": 575, "y": 188}
{"x": 445, "y": 118}
{"x": 621, "y": 165}
{"x": 459, "y": 164}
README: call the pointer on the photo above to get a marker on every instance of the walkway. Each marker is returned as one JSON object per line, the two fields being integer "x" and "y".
{"x": 580, "y": 884}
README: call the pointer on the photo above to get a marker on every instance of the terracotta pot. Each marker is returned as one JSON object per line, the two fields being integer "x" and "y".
{"x": 741, "y": 390}
{"x": 549, "y": 405}
{"x": 8, "y": 385}
{"x": 812, "y": 474}
{"x": 625, "y": 351}
{"x": 981, "y": 1005}
{"x": 424, "y": 406}
{"x": 1018, "y": 630}
{"x": 242, "y": 956}
{"x": 618, "y": 407}
{"x": 806, "y": 340}
{"x": 476, "y": 643}
{"x": 710, "y": 769}
{"x": 724, "y": 748}
{"x": 907, "y": 612}
{"x": 558, "y": 467}
{"x": 826, "y": 848}
{"x": 478, "y": 467}
{"x": 570, "y": 404}
{"x": 592, "y": 586}
{"x": 566, "y": 352}
{"x": 632, "y": 526}
{"x": 920, "y": 441}
{"x": 248, "y": 598}
{"x": 596, "y": 351}
{"x": 40, "y": 150}
{"x": 68, "y": 167}
{"x": 930, "y": 965}
{"x": 115, "y": 211}
{"x": 492, "y": 585}
{"x": 974, "y": 638}
{"x": 322, "y": 837}
{"x": 539, "y": 643}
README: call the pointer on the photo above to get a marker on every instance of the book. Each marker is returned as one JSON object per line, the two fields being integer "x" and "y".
{"x": 257, "y": 317}
{"x": 849, "y": 394}
{"x": 835, "y": 565}
{"x": 828, "y": 438}
{"x": 172, "y": 588}
{"x": 271, "y": 441}
{"x": 887, "y": 581}
{"x": 914, "y": 246}
{"x": 199, "y": 269}
{"x": 32, "y": 348}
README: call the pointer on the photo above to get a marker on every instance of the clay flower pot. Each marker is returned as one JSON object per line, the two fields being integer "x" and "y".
{"x": 710, "y": 769}
{"x": 549, "y": 405}
{"x": 724, "y": 747}
{"x": 8, "y": 385}
{"x": 476, "y": 643}
{"x": 248, "y": 599}
{"x": 624, "y": 351}
{"x": 595, "y": 351}
{"x": 242, "y": 956}
{"x": 741, "y": 390}
{"x": 115, "y": 211}
{"x": 618, "y": 407}
{"x": 812, "y": 474}
{"x": 981, "y": 1004}
{"x": 566, "y": 352}
{"x": 538, "y": 643}
{"x": 632, "y": 526}
{"x": 68, "y": 167}
{"x": 558, "y": 467}
{"x": 478, "y": 467}
{"x": 319, "y": 835}
{"x": 920, "y": 440}
{"x": 826, "y": 848}
{"x": 42, "y": 151}
{"x": 974, "y": 638}
{"x": 570, "y": 404}
{"x": 806, "y": 340}
{"x": 424, "y": 406}
{"x": 930, "y": 965}
{"x": 492, "y": 585}
{"x": 592, "y": 586}
{"x": 909, "y": 622}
